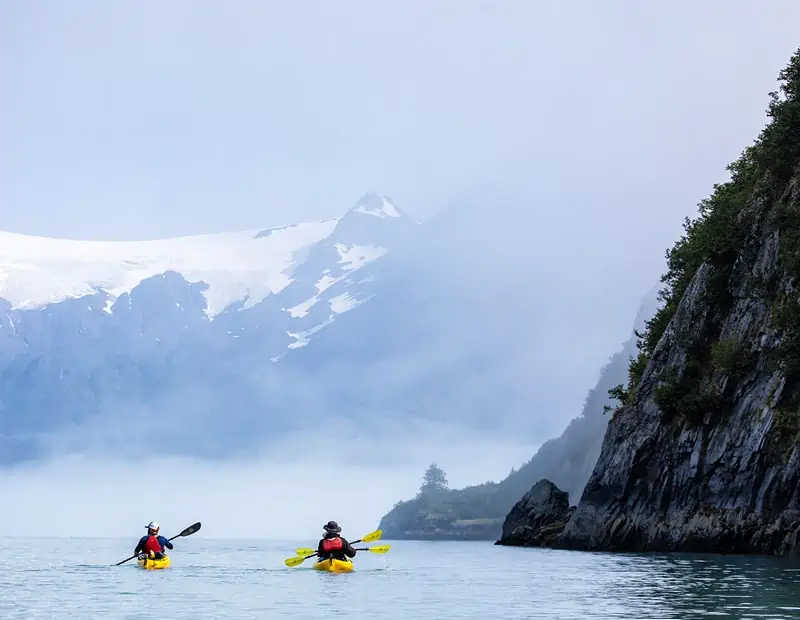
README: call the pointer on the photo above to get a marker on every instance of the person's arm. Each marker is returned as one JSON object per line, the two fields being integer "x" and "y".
{"x": 349, "y": 550}
{"x": 319, "y": 549}
{"x": 140, "y": 545}
{"x": 165, "y": 543}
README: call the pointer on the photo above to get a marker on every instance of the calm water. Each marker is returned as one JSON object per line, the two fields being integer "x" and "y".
{"x": 50, "y": 578}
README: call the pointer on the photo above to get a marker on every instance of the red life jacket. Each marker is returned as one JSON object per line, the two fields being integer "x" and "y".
{"x": 332, "y": 544}
{"x": 152, "y": 544}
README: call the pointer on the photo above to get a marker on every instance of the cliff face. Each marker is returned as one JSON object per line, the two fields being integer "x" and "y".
{"x": 704, "y": 454}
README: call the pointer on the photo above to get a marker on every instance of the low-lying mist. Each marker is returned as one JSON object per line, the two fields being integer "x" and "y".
{"x": 286, "y": 494}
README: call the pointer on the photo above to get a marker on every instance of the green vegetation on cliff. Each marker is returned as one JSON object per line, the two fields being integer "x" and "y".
{"x": 714, "y": 238}
{"x": 704, "y": 453}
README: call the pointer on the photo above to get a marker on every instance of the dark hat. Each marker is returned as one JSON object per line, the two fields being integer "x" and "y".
{"x": 332, "y": 526}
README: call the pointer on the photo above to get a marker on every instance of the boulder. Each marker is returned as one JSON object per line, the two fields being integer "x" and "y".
{"x": 538, "y": 518}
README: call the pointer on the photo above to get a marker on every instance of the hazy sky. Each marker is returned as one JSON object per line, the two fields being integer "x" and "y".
{"x": 135, "y": 119}
{"x": 602, "y": 124}
{"x": 276, "y": 497}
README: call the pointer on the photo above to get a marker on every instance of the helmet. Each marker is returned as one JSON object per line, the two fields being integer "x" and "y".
{"x": 153, "y": 526}
{"x": 332, "y": 527}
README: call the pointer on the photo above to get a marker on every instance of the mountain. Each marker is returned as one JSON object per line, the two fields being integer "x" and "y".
{"x": 477, "y": 512}
{"x": 94, "y": 336}
{"x": 703, "y": 454}
{"x": 226, "y": 344}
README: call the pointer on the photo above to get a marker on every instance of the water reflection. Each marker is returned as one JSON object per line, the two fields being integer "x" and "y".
{"x": 684, "y": 586}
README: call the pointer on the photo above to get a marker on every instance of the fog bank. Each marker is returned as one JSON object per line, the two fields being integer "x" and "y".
{"x": 288, "y": 495}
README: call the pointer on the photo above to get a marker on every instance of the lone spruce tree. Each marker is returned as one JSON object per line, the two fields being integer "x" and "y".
{"x": 434, "y": 481}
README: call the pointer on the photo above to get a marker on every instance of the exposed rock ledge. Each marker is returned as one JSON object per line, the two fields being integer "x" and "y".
{"x": 538, "y": 518}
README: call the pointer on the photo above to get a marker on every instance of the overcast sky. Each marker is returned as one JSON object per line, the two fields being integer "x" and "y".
{"x": 599, "y": 125}
{"x": 146, "y": 118}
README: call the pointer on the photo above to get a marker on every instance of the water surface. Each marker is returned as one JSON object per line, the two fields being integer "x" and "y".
{"x": 56, "y": 578}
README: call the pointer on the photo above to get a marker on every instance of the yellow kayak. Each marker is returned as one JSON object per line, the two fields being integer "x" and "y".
{"x": 334, "y": 566}
{"x": 153, "y": 563}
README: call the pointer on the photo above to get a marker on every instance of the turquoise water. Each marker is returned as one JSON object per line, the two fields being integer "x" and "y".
{"x": 52, "y": 578}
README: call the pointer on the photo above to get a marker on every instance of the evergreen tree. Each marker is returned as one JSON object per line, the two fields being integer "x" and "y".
{"x": 434, "y": 480}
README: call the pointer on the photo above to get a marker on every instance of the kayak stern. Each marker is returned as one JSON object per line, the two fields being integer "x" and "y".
{"x": 332, "y": 565}
{"x": 153, "y": 563}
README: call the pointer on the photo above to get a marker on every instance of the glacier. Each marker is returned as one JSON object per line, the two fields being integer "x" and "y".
{"x": 226, "y": 343}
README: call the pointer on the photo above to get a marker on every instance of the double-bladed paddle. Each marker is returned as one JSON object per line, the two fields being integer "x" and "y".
{"x": 303, "y": 553}
{"x": 371, "y": 537}
{"x": 187, "y": 532}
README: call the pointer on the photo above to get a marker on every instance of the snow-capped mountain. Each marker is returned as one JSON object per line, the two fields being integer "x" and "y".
{"x": 96, "y": 333}
{"x": 240, "y": 269}
{"x": 222, "y": 343}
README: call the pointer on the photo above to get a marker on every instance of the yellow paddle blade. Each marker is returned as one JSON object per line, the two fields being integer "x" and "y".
{"x": 305, "y": 551}
{"x": 295, "y": 561}
{"x": 380, "y": 549}
{"x": 373, "y": 536}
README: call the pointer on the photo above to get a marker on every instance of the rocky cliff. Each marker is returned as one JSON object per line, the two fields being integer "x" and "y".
{"x": 704, "y": 453}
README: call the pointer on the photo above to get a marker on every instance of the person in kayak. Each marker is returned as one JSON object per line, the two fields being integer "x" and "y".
{"x": 153, "y": 545}
{"x": 333, "y": 545}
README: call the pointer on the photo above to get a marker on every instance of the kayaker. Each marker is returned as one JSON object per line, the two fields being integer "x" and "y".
{"x": 333, "y": 545}
{"x": 152, "y": 544}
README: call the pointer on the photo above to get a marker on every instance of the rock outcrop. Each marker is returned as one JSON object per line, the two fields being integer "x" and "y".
{"x": 704, "y": 454}
{"x": 538, "y": 518}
